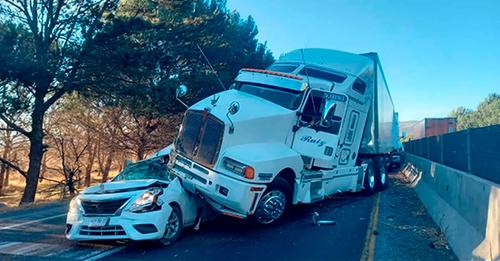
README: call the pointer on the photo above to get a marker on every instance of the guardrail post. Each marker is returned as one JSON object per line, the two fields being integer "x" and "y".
{"x": 440, "y": 139}
{"x": 467, "y": 139}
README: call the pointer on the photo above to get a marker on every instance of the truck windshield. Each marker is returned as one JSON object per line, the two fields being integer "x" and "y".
{"x": 286, "y": 98}
{"x": 148, "y": 169}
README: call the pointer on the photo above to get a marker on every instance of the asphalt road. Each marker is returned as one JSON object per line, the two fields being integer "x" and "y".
{"x": 37, "y": 233}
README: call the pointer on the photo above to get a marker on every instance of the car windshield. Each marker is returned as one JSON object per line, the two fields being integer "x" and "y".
{"x": 148, "y": 169}
{"x": 286, "y": 98}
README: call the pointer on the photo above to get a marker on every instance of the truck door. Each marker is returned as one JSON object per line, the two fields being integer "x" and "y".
{"x": 319, "y": 124}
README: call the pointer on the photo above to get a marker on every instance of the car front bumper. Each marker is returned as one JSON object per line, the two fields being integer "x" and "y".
{"x": 128, "y": 225}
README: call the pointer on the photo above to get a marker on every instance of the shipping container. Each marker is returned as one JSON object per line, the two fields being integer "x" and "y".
{"x": 438, "y": 126}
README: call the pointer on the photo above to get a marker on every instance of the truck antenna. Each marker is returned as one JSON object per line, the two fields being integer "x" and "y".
{"x": 307, "y": 76}
{"x": 305, "y": 67}
{"x": 210, "y": 65}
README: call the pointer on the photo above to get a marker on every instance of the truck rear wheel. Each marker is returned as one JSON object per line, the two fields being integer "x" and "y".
{"x": 369, "y": 180}
{"x": 274, "y": 203}
{"x": 381, "y": 174}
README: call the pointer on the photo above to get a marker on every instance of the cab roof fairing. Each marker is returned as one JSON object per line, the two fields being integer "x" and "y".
{"x": 269, "y": 79}
{"x": 352, "y": 64}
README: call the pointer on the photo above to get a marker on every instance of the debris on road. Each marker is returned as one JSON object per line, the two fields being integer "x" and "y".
{"x": 406, "y": 231}
{"x": 318, "y": 222}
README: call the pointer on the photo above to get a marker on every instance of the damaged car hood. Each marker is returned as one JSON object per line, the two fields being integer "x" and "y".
{"x": 124, "y": 186}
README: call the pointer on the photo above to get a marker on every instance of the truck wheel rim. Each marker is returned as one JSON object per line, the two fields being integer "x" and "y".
{"x": 271, "y": 207}
{"x": 371, "y": 179}
{"x": 383, "y": 175}
{"x": 172, "y": 226}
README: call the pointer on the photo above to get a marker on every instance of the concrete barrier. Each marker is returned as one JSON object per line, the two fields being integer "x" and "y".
{"x": 466, "y": 207}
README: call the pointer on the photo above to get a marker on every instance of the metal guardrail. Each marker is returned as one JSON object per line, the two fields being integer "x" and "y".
{"x": 476, "y": 150}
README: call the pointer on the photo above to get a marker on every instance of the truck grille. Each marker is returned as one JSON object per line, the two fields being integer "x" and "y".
{"x": 201, "y": 137}
{"x": 102, "y": 207}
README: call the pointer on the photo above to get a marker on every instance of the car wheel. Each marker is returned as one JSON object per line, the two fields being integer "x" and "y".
{"x": 381, "y": 175}
{"x": 274, "y": 203}
{"x": 173, "y": 227}
{"x": 369, "y": 180}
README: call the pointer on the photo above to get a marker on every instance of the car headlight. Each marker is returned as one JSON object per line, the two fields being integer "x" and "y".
{"x": 148, "y": 201}
{"x": 239, "y": 168}
{"x": 75, "y": 205}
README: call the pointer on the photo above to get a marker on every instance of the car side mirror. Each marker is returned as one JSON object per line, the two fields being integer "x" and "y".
{"x": 127, "y": 162}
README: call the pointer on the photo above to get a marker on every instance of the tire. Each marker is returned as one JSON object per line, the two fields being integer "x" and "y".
{"x": 381, "y": 177}
{"x": 369, "y": 179}
{"x": 174, "y": 226}
{"x": 274, "y": 203}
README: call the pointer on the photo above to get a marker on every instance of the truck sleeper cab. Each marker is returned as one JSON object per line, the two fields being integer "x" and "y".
{"x": 292, "y": 134}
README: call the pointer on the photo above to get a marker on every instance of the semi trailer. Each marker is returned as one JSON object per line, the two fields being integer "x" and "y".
{"x": 314, "y": 123}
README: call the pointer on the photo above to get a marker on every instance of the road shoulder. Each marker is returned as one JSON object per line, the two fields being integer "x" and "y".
{"x": 405, "y": 231}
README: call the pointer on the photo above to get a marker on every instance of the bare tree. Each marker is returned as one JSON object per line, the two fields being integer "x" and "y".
{"x": 48, "y": 40}
{"x": 141, "y": 135}
{"x": 7, "y": 147}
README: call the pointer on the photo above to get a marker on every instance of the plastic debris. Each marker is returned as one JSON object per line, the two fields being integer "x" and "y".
{"x": 318, "y": 222}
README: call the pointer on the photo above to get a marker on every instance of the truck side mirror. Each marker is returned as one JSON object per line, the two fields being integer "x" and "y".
{"x": 181, "y": 91}
{"x": 234, "y": 107}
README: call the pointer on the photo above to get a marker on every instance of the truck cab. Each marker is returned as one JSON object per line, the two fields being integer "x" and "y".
{"x": 287, "y": 135}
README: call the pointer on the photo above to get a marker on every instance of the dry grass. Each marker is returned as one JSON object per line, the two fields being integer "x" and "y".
{"x": 47, "y": 191}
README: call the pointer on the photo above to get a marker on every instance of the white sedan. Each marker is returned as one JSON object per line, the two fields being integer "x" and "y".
{"x": 143, "y": 202}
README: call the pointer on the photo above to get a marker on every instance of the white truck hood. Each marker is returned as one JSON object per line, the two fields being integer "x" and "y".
{"x": 272, "y": 123}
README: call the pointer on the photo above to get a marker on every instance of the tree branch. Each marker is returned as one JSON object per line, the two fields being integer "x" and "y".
{"x": 12, "y": 166}
{"x": 58, "y": 94}
{"x": 14, "y": 126}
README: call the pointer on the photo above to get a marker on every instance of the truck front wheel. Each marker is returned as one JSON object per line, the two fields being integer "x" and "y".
{"x": 274, "y": 203}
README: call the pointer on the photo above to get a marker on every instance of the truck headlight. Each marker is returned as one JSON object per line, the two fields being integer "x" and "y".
{"x": 75, "y": 205}
{"x": 148, "y": 201}
{"x": 239, "y": 168}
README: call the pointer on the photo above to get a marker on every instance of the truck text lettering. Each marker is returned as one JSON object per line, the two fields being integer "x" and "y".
{"x": 310, "y": 139}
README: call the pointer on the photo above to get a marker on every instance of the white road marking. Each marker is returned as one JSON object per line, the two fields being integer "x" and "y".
{"x": 31, "y": 222}
{"x": 57, "y": 251}
{"x": 51, "y": 250}
{"x": 16, "y": 248}
{"x": 6, "y": 245}
{"x": 106, "y": 253}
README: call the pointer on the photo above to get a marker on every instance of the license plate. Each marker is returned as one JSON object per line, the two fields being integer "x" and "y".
{"x": 98, "y": 221}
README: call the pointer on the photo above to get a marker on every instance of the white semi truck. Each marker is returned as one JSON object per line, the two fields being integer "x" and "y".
{"x": 315, "y": 123}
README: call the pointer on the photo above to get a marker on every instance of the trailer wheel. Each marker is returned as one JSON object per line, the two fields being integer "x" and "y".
{"x": 274, "y": 203}
{"x": 173, "y": 227}
{"x": 369, "y": 180}
{"x": 381, "y": 174}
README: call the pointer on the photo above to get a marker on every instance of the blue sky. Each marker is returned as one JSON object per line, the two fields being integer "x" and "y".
{"x": 437, "y": 55}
